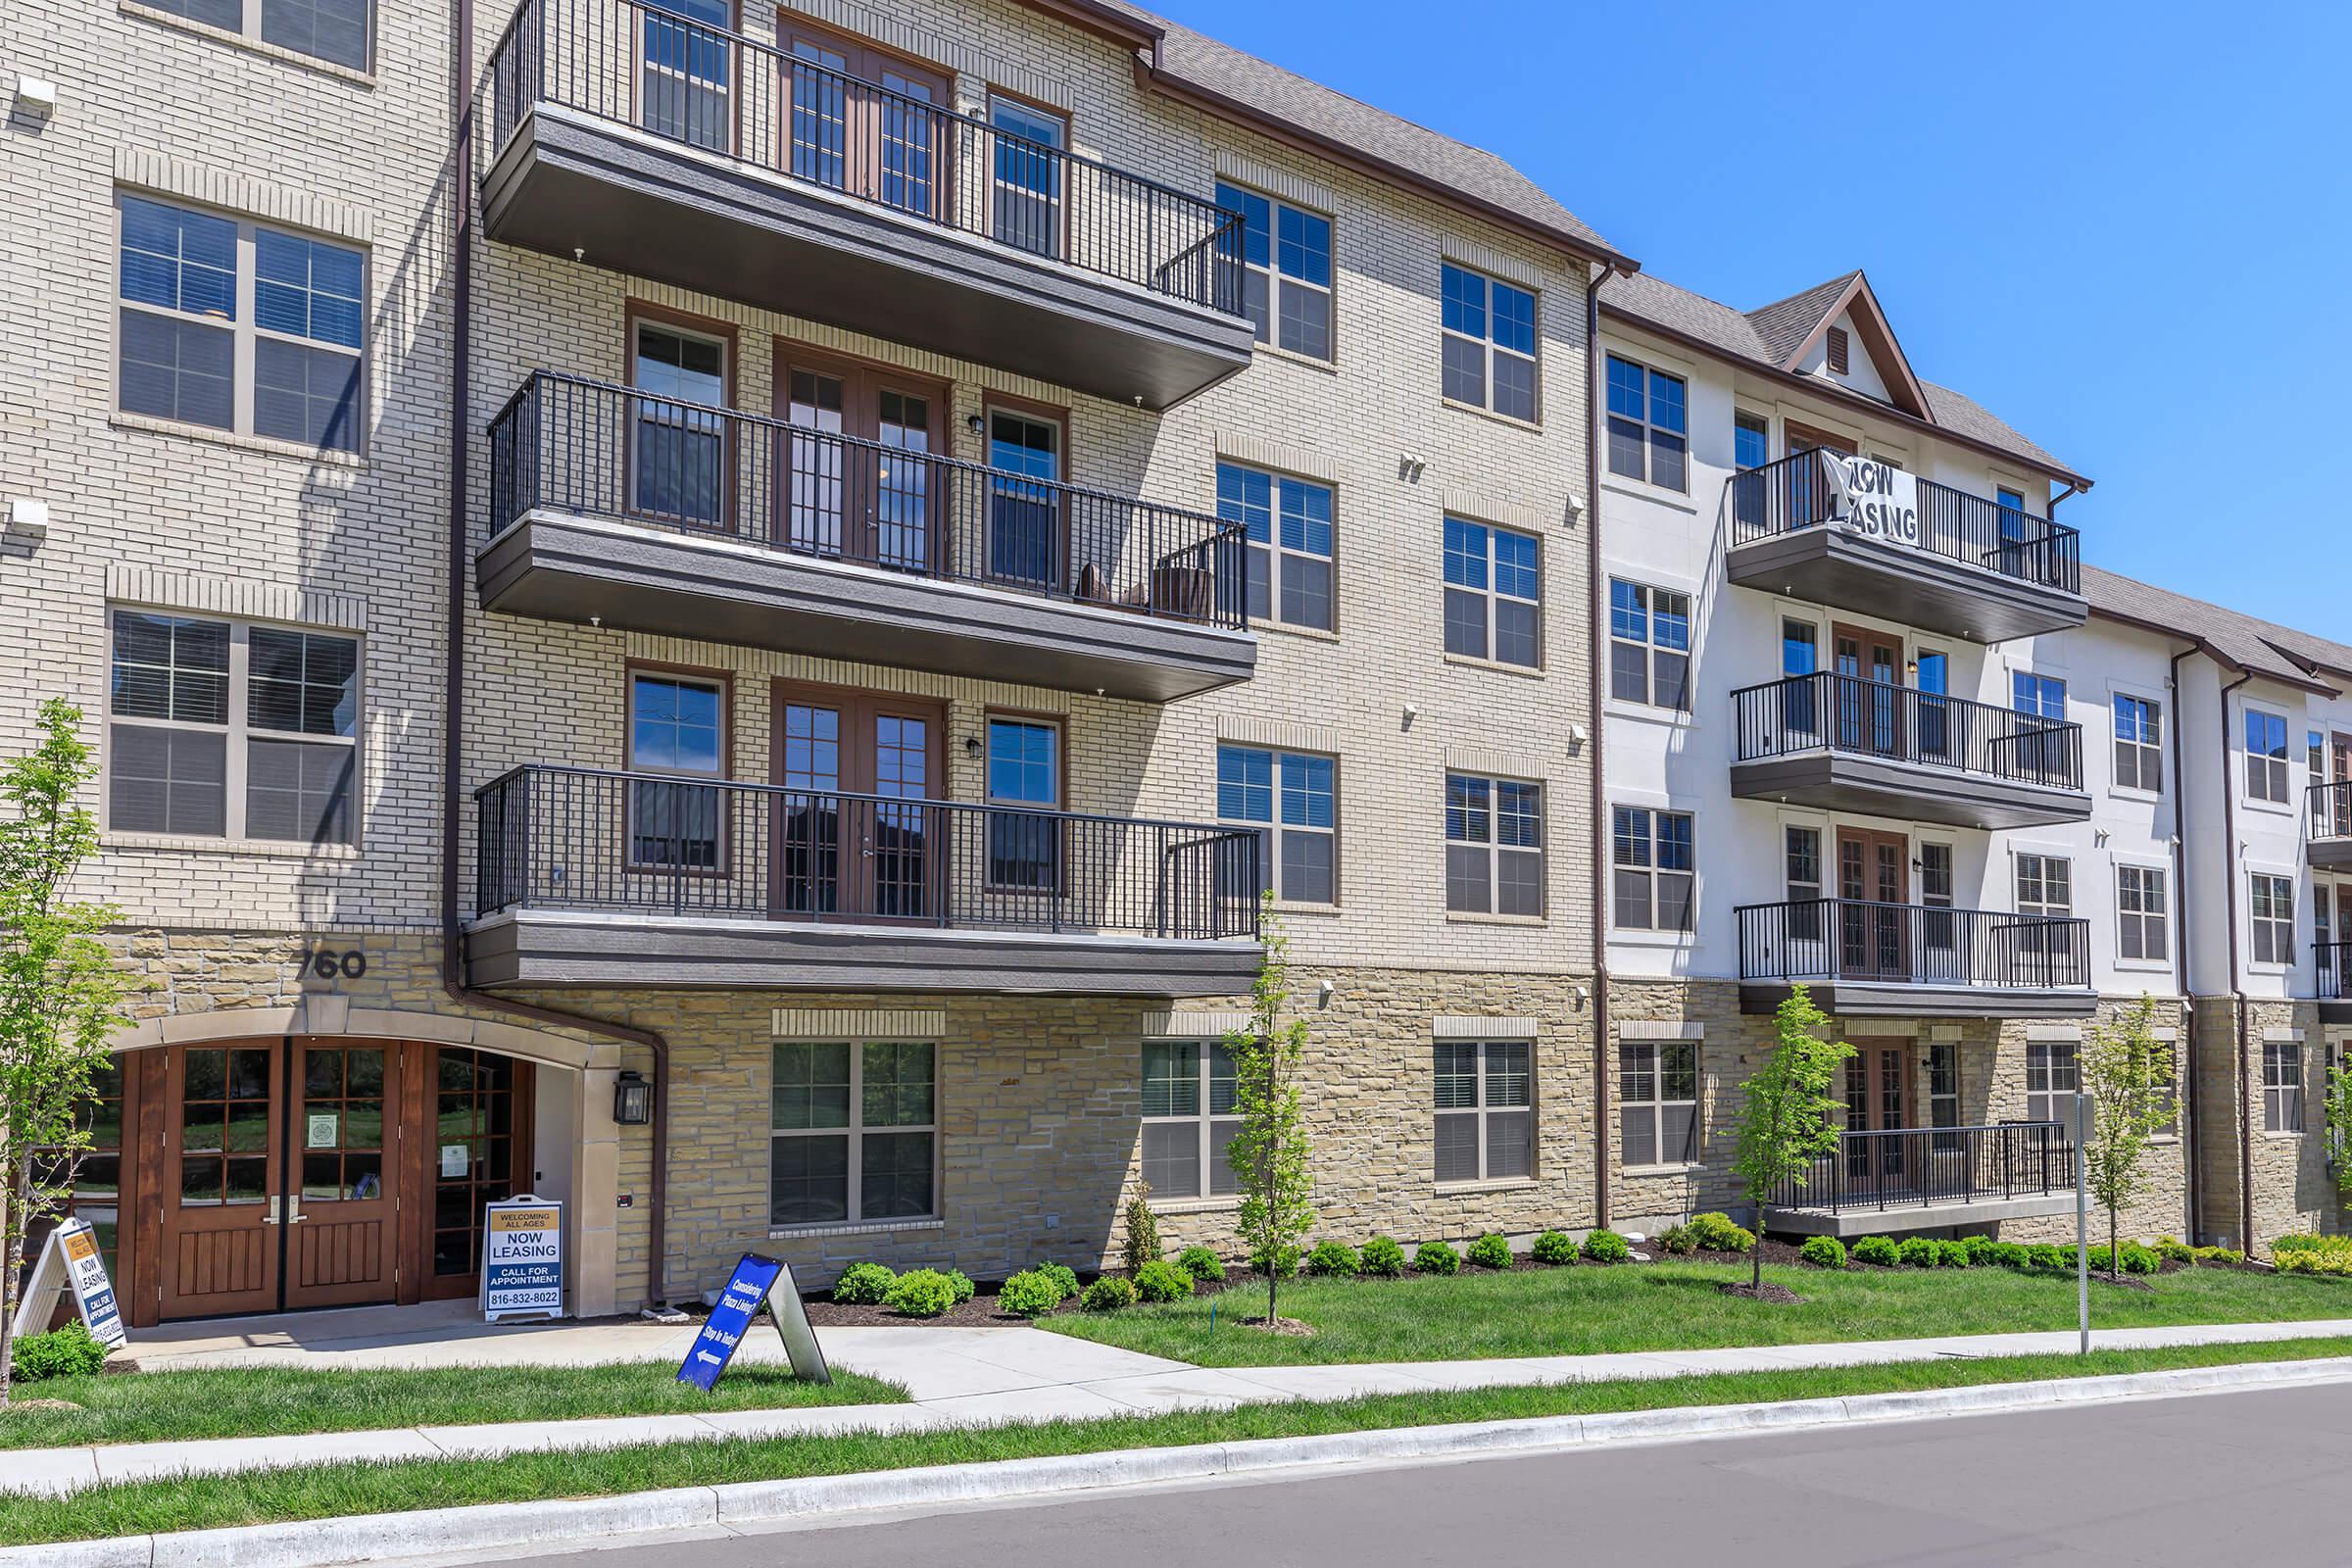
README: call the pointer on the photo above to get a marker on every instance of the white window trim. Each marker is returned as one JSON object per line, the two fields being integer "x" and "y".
{"x": 1495, "y": 848}
{"x": 1275, "y": 276}
{"x": 1204, "y": 1119}
{"x": 1489, "y": 349}
{"x": 237, "y": 732}
{"x": 2301, "y": 1088}
{"x": 2163, "y": 868}
{"x": 1658, "y": 1106}
{"x": 244, "y": 332}
{"x": 1491, "y": 595}
{"x": 1272, "y": 829}
{"x": 2046, "y": 1048}
{"x": 1650, "y": 365}
{"x": 2245, "y": 760}
{"x": 2294, "y": 921}
{"x": 854, "y": 1132}
{"x": 2162, "y": 701}
{"x": 1652, "y": 935}
{"x": 1650, "y": 707}
{"x": 1275, "y": 550}
{"x": 248, "y": 33}
{"x": 1482, "y": 1113}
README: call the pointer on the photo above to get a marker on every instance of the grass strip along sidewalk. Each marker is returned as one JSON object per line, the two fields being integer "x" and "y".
{"x": 330, "y": 1491}
{"x": 260, "y": 1402}
{"x": 1675, "y": 1306}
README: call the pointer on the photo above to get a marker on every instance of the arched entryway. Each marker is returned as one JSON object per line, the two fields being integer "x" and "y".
{"x": 235, "y": 1171}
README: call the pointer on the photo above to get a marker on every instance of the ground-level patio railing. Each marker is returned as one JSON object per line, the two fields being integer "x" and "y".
{"x": 1912, "y": 1167}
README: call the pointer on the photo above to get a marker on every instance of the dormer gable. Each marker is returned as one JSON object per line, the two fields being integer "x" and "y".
{"x": 1835, "y": 331}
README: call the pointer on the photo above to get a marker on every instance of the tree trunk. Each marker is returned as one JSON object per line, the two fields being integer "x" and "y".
{"x": 1755, "y": 1278}
{"x": 1271, "y": 1282}
{"x": 12, "y": 1263}
{"x": 2115, "y": 1259}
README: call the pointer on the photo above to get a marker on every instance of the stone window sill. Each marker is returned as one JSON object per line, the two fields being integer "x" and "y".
{"x": 1198, "y": 1205}
{"x": 1511, "y": 421}
{"x": 1505, "y": 1184}
{"x": 236, "y": 41}
{"x": 881, "y": 1227}
{"x": 1472, "y": 918}
{"x": 231, "y": 438}
{"x": 1662, "y": 1170}
{"x": 258, "y": 849}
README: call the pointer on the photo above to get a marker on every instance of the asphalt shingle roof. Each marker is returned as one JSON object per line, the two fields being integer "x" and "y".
{"x": 1785, "y": 323}
{"x": 2260, "y": 647}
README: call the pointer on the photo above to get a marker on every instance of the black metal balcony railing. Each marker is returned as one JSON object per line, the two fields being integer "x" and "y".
{"x": 1912, "y": 1167}
{"x": 592, "y": 448}
{"x": 1799, "y": 492}
{"x": 1911, "y": 944}
{"x": 2334, "y": 962}
{"x": 719, "y": 91}
{"x": 1899, "y": 723}
{"x": 583, "y": 839}
{"x": 2331, "y": 811}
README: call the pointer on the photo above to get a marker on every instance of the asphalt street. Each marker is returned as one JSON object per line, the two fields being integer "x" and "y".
{"x": 2211, "y": 1480}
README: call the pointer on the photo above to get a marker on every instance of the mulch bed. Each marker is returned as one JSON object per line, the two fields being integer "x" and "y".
{"x": 1779, "y": 1295}
{"x": 980, "y": 1313}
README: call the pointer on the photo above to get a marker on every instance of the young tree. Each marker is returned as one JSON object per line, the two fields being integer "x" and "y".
{"x": 60, "y": 990}
{"x": 1269, "y": 1149}
{"x": 2339, "y": 1108}
{"x": 2128, "y": 1072}
{"x": 1784, "y": 1127}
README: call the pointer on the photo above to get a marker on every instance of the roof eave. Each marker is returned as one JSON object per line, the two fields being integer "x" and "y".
{"x": 1837, "y": 394}
{"x": 2210, "y": 650}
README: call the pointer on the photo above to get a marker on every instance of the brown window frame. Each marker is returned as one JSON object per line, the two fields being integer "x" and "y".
{"x": 637, "y": 313}
{"x": 722, "y": 869}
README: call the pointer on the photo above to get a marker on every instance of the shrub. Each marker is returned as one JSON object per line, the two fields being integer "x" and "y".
{"x": 1823, "y": 1251}
{"x": 1715, "y": 1232}
{"x": 72, "y": 1351}
{"x": 1553, "y": 1247}
{"x": 1383, "y": 1258}
{"x": 2172, "y": 1250}
{"x": 1879, "y": 1251}
{"x": 1919, "y": 1251}
{"x": 2136, "y": 1258}
{"x": 1435, "y": 1258}
{"x": 1163, "y": 1281}
{"x": 1201, "y": 1264}
{"x": 1677, "y": 1239}
{"x": 963, "y": 1284}
{"x": 1108, "y": 1294}
{"x": 863, "y": 1285}
{"x": 2220, "y": 1254}
{"x": 1281, "y": 1261}
{"x": 1606, "y": 1246}
{"x": 2012, "y": 1255}
{"x": 2313, "y": 1254}
{"x": 1032, "y": 1292}
{"x": 1979, "y": 1249}
{"x": 1335, "y": 1258}
{"x": 1143, "y": 1233}
{"x": 2046, "y": 1254}
{"x": 1490, "y": 1251}
{"x": 1064, "y": 1278}
{"x": 921, "y": 1292}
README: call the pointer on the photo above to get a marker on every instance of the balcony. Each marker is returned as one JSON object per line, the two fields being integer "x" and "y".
{"x": 1948, "y": 561}
{"x": 637, "y": 139}
{"x": 2330, "y": 847}
{"x": 1924, "y": 1178}
{"x": 1864, "y": 960}
{"x": 1839, "y": 743}
{"x": 591, "y": 878}
{"x": 2332, "y": 962}
{"x": 686, "y": 520}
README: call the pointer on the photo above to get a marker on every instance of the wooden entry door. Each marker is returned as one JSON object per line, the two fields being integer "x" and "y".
{"x": 343, "y": 1132}
{"x": 1875, "y": 935}
{"x": 1869, "y": 697}
{"x": 867, "y": 486}
{"x": 836, "y": 856}
{"x": 1879, "y": 1099}
{"x": 223, "y": 1164}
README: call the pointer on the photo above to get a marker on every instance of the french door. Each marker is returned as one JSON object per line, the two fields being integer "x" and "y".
{"x": 1869, "y": 697}
{"x": 2340, "y": 771}
{"x": 864, "y": 859}
{"x": 1878, "y": 1100}
{"x": 1874, "y": 922}
{"x": 867, "y": 121}
{"x": 1809, "y": 491}
{"x": 860, "y": 500}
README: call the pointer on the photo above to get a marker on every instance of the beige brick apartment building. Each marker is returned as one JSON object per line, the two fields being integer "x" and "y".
{"x": 719, "y": 612}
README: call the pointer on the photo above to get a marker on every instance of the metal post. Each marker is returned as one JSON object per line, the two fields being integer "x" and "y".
{"x": 2082, "y": 1221}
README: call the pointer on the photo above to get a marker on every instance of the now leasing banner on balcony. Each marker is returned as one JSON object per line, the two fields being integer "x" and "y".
{"x": 1877, "y": 498}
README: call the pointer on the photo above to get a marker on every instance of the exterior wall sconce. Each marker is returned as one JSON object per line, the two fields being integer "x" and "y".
{"x": 632, "y": 1101}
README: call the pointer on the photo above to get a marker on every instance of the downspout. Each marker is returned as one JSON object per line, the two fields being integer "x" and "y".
{"x": 2189, "y": 1120}
{"x": 1600, "y": 806}
{"x": 2237, "y": 994}
{"x": 453, "y": 696}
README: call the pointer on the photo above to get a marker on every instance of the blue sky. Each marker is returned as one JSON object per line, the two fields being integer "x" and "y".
{"x": 2130, "y": 239}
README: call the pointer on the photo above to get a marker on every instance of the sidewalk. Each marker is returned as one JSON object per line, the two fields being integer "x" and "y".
{"x": 972, "y": 1377}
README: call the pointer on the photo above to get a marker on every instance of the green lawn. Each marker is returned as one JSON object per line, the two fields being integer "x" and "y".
{"x": 274, "y": 1401}
{"x": 1674, "y": 1305}
{"x": 328, "y": 1490}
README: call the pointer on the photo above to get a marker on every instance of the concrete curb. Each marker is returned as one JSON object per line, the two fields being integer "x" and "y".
{"x": 373, "y": 1538}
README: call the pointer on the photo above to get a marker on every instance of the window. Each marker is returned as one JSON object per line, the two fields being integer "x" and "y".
{"x": 1188, "y": 1118}
{"x": 1024, "y": 769}
{"x": 219, "y": 729}
{"x": 1290, "y": 534}
{"x": 333, "y": 30}
{"x": 680, "y": 446}
{"x": 1304, "y": 853}
{"x": 238, "y": 328}
{"x": 2040, "y": 750}
{"x": 2273, "y": 907}
{"x": 2139, "y": 902}
{"x": 89, "y": 1180}
{"x": 1834, "y": 349}
{"x": 1493, "y": 594}
{"x": 2266, "y": 757}
{"x": 1029, "y": 160}
{"x": 1648, "y": 425}
{"x": 1655, "y": 876}
{"x": 2281, "y": 1086}
{"x": 1944, "y": 1089}
{"x": 1494, "y": 846}
{"x": 1490, "y": 343}
{"x": 1286, "y": 271}
{"x": 1939, "y": 933}
{"x": 677, "y": 724}
{"x": 855, "y": 1127}
{"x": 1649, "y": 645}
{"x": 2139, "y": 756}
{"x": 1025, "y": 508}
{"x": 1658, "y": 1112}
{"x": 2044, "y": 885}
{"x": 1486, "y": 1118}
{"x": 1802, "y": 852}
{"x": 2050, "y": 1081}
{"x": 1751, "y": 440}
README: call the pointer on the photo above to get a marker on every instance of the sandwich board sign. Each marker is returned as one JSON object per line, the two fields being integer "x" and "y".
{"x": 70, "y": 1259}
{"x": 522, "y": 1258}
{"x": 757, "y": 1281}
